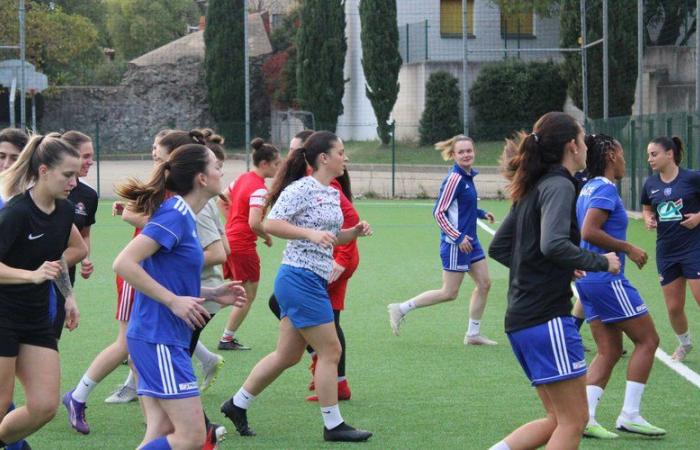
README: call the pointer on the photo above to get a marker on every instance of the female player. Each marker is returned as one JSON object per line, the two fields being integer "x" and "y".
{"x": 163, "y": 263}
{"x": 456, "y": 213}
{"x": 246, "y": 201}
{"x": 538, "y": 241}
{"x": 612, "y": 305}
{"x": 670, "y": 204}
{"x": 111, "y": 357}
{"x": 83, "y": 197}
{"x": 36, "y": 227}
{"x": 305, "y": 210}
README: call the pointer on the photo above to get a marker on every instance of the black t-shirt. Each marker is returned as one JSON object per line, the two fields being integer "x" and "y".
{"x": 28, "y": 237}
{"x": 85, "y": 200}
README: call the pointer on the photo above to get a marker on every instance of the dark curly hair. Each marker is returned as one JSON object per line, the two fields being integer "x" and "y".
{"x": 599, "y": 147}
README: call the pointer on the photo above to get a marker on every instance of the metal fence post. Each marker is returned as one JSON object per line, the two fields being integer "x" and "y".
{"x": 393, "y": 158}
{"x": 689, "y": 139}
{"x": 97, "y": 154}
{"x": 426, "y": 39}
{"x": 408, "y": 38}
{"x": 633, "y": 163}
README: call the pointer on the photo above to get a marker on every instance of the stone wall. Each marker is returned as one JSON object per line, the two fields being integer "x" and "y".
{"x": 149, "y": 98}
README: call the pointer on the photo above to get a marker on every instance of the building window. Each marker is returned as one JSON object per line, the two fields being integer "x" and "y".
{"x": 451, "y": 18}
{"x": 518, "y": 25}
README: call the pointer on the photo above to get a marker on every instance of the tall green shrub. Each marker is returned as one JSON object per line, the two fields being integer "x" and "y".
{"x": 381, "y": 59}
{"x": 441, "y": 116}
{"x": 223, "y": 65}
{"x": 511, "y": 95}
{"x": 321, "y": 51}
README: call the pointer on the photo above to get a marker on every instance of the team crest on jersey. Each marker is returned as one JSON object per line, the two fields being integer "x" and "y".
{"x": 667, "y": 191}
{"x": 80, "y": 209}
{"x": 670, "y": 211}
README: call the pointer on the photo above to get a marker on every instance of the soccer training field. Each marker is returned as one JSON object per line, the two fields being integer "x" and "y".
{"x": 420, "y": 390}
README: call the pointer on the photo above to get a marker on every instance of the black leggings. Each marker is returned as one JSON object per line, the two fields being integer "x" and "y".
{"x": 275, "y": 308}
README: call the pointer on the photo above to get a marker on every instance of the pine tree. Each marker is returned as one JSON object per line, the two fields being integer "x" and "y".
{"x": 223, "y": 65}
{"x": 381, "y": 59}
{"x": 321, "y": 51}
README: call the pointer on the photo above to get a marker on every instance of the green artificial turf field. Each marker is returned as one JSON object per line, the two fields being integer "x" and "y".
{"x": 424, "y": 389}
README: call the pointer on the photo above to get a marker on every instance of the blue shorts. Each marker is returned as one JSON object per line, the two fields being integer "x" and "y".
{"x": 164, "y": 371}
{"x": 303, "y": 297}
{"x": 669, "y": 270}
{"x": 550, "y": 352}
{"x": 455, "y": 260}
{"x": 610, "y": 301}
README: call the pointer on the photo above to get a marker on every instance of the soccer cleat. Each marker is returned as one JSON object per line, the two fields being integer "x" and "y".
{"x": 215, "y": 434}
{"x": 312, "y": 369}
{"x": 238, "y": 416}
{"x": 76, "y": 413}
{"x": 211, "y": 371}
{"x": 478, "y": 339}
{"x": 123, "y": 394}
{"x": 233, "y": 344}
{"x": 681, "y": 352}
{"x": 638, "y": 426}
{"x": 343, "y": 392}
{"x": 395, "y": 317}
{"x": 596, "y": 430}
{"x": 345, "y": 433}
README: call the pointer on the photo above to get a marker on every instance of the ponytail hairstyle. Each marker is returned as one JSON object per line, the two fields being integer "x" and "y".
{"x": 48, "y": 150}
{"x": 540, "y": 151}
{"x": 214, "y": 142}
{"x": 295, "y": 166}
{"x": 263, "y": 151}
{"x": 673, "y": 143}
{"x": 14, "y": 136}
{"x": 177, "y": 138}
{"x": 599, "y": 147}
{"x": 510, "y": 150}
{"x": 176, "y": 175}
{"x": 76, "y": 138}
{"x": 447, "y": 148}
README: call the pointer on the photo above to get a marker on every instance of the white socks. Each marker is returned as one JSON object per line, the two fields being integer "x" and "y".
{"x": 474, "y": 327}
{"x": 331, "y": 416}
{"x": 202, "y": 353}
{"x": 684, "y": 338}
{"x": 407, "y": 306}
{"x": 500, "y": 446}
{"x": 633, "y": 398}
{"x": 83, "y": 389}
{"x": 228, "y": 335}
{"x": 243, "y": 399}
{"x": 593, "y": 393}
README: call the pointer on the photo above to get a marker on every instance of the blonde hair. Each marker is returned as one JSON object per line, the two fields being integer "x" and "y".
{"x": 510, "y": 151}
{"x": 48, "y": 150}
{"x": 447, "y": 148}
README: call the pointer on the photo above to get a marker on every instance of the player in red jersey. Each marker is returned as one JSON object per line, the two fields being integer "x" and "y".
{"x": 244, "y": 215}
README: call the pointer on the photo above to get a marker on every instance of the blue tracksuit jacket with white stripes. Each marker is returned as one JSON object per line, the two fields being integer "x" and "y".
{"x": 455, "y": 210}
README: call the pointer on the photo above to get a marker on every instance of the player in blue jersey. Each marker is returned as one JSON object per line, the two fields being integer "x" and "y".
{"x": 164, "y": 265}
{"x": 456, "y": 212}
{"x": 670, "y": 204}
{"x": 612, "y": 305}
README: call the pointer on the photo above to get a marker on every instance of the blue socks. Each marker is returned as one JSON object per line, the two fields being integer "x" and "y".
{"x": 15, "y": 445}
{"x": 578, "y": 322}
{"x": 158, "y": 444}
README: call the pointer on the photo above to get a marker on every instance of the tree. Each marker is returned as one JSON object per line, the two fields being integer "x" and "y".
{"x": 441, "y": 117}
{"x": 138, "y": 26}
{"x": 321, "y": 51}
{"x": 94, "y": 10}
{"x": 623, "y": 58}
{"x": 381, "y": 60}
{"x": 675, "y": 21}
{"x": 223, "y": 67}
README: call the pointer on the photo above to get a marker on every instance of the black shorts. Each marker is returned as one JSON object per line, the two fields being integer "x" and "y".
{"x": 12, "y": 338}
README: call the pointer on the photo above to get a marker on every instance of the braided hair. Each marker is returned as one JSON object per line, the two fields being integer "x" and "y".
{"x": 600, "y": 146}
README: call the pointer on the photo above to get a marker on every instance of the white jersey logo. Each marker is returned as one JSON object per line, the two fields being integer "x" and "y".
{"x": 31, "y": 237}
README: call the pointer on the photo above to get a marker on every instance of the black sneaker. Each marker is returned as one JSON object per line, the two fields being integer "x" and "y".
{"x": 238, "y": 416}
{"x": 232, "y": 345}
{"x": 345, "y": 433}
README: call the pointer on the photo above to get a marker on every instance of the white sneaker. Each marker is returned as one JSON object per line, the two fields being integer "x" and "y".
{"x": 395, "y": 317}
{"x": 124, "y": 394}
{"x": 681, "y": 352}
{"x": 211, "y": 371}
{"x": 478, "y": 339}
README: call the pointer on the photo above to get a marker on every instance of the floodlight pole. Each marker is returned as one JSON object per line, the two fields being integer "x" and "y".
{"x": 22, "y": 59}
{"x": 465, "y": 78}
{"x": 246, "y": 72}
{"x": 584, "y": 62}
{"x": 697, "y": 56}
{"x": 640, "y": 55}
{"x": 606, "y": 67}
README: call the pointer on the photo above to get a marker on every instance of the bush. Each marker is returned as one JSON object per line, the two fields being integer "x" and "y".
{"x": 441, "y": 117}
{"x": 512, "y": 95}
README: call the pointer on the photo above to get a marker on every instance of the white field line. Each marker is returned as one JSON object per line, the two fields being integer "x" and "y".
{"x": 678, "y": 367}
